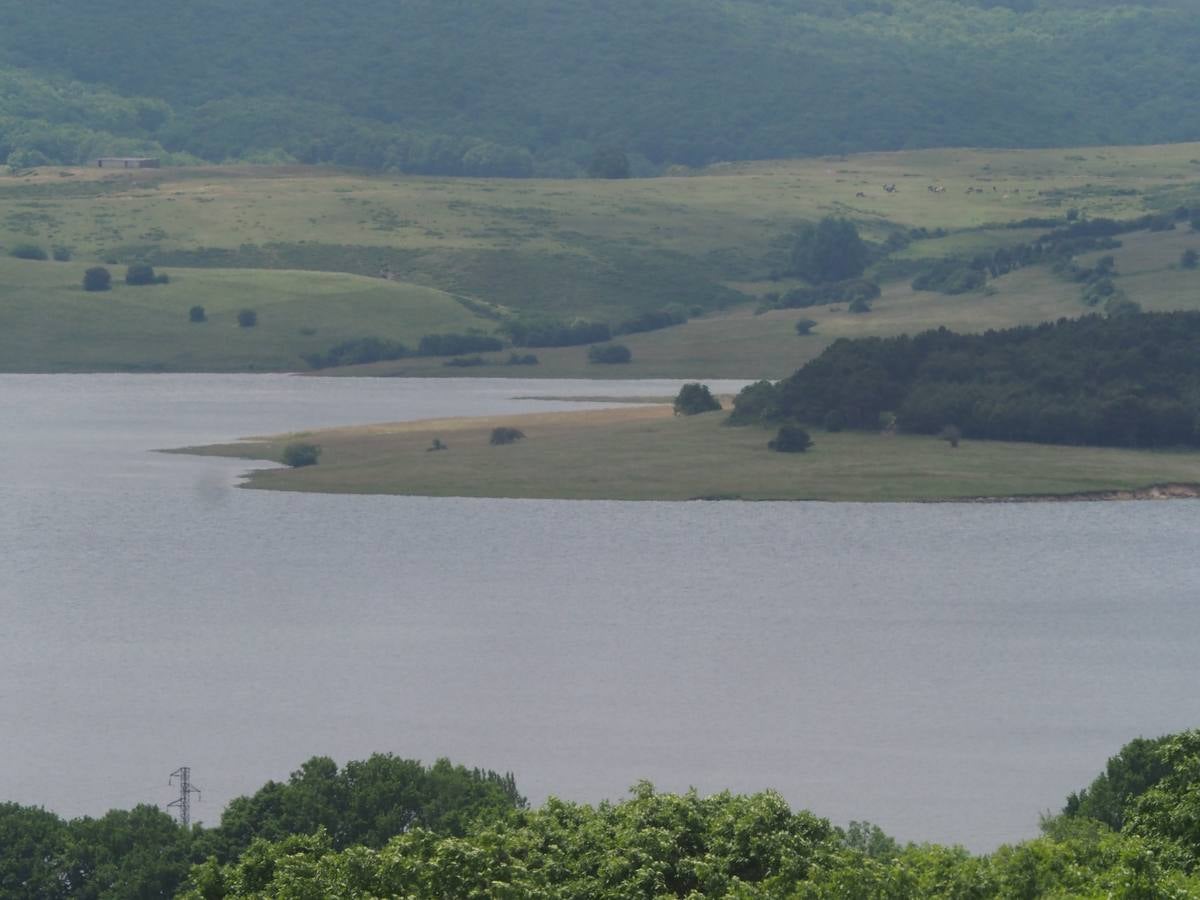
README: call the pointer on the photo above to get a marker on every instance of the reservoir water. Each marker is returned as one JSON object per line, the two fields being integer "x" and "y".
{"x": 945, "y": 671}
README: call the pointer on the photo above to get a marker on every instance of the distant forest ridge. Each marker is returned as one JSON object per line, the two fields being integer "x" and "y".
{"x": 542, "y": 87}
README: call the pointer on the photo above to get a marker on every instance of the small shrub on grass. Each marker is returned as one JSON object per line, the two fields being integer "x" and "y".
{"x": 28, "y": 251}
{"x": 61, "y": 254}
{"x": 951, "y": 434}
{"x": 522, "y": 359}
{"x": 97, "y": 278}
{"x": 609, "y": 354}
{"x": 695, "y": 398}
{"x": 1189, "y": 259}
{"x": 805, "y": 326}
{"x": 197, "y": 314}
{"x": 505, "y": 435}
{"x": 790, "y": 439}
{"x": 247, "y": 318}
{"x": 299, "y": 455}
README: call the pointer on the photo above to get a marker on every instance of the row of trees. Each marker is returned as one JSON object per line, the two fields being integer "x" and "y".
{"x": 388, "y": 827}
{"x": 144, "y": 853}
{"x": 1130, "y": 380}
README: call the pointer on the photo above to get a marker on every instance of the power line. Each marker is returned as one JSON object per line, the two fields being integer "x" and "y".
{"x": 186, "y": 789}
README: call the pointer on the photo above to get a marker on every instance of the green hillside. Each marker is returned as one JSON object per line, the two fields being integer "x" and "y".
{"x": 501, "y": 87}
{"x": 328, "y": 255}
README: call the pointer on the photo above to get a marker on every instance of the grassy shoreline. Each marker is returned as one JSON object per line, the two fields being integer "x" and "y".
{"x": 647, "y": 453}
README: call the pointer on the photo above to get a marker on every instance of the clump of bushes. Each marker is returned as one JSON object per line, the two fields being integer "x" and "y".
{"x": 247, "y": 318}
{"x": 609, "y": 354}
{"x": 505, "y": 435}
{"x": 756, "y": 404}
{"x": 1190, "y": 259}
{"x": 457, "y": 344}
{"x": 950, "y": 277}
{"x": 300, "y": 454}
{"x": 197, "y": 314}
{"x": 356, "y": 352}
{"x": 97, "y": 278}
{"x": 651, "y": 321}
{"x": 695, "y": 398}
{"x": 805, "y": 326}
{"x": 522, "y": 359}
{"x": 61, "y": 254}
{"x": 542, "y": 331}
{"x": 142, "y": 274}
{"x": 846, "y": 291}
{"x": 28, "y": 251}
{"x": 790, "y": 439}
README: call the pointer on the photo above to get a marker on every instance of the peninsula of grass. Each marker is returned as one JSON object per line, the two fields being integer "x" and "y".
{"x": 647, "y": 453}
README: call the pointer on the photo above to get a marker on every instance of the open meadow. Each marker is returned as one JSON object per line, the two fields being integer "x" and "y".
{"x": 647, "y": 453}
{"x": 399, "y": 257}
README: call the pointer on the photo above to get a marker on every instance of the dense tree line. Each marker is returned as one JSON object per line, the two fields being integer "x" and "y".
{"x": 606, "y": 88}
{"x": 144, "y": 853}
{"x": 1130, "y": 380}
{"x": 388, "y": 827}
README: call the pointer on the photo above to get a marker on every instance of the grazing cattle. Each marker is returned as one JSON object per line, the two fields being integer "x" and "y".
{"x": 890, "y": 188}
{"x": 860, "y": 194}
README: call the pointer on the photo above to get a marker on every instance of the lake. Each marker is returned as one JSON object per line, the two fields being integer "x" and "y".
{"x": 947, "y": 671}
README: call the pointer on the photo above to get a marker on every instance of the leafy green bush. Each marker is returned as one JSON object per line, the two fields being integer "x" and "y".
{"x": 247, "y": 318}
{"x": 756, "y": 404}
{"x": 197, "y": 314}
{"x": 300, "y": 454}
{"x": 97, "y": 278}
{"x": 522, "y": 359}
{"x": 695, "y": 398}
{"x": 28, "y": 251}
{"x": 143, "y": 274}
{"x": 61, "y": 254}
{"x": 805, "y": 326}
{"x": 790, "y": 439}
{"x": 609, "y": 354}
{"x": 505, "y": 435}
{"x": 1190, "y": 259}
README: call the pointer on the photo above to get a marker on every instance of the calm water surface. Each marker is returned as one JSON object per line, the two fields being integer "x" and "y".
{"x": 946, "y": 671}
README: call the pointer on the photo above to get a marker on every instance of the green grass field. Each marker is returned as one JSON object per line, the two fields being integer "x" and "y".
{"x": 645, "y": 453}
{"x": 706, "y": 240}
{"x": 50, "y": 324}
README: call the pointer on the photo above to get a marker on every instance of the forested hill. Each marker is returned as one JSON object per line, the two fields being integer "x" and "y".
{"x": 518, "y": 87}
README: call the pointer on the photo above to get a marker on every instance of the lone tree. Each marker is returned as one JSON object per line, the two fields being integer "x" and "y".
{"x": 790, "y": 439}
{"x": 247, "y": 318}
{"x": 97, "y": 278}
{"x": 505, "y": 435}
{"x": 805, "y": 326}
{"x": 829, "y": 251}
{"x": 299, "y": 455}
{"x": 695, "y": 398}
{"x": 951, "y": 434}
